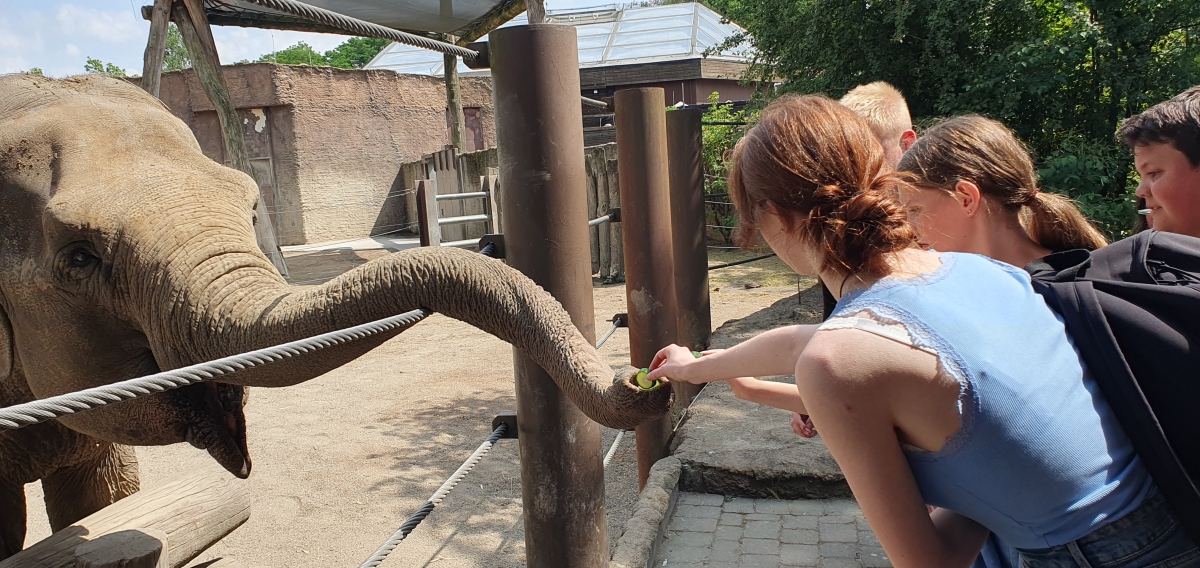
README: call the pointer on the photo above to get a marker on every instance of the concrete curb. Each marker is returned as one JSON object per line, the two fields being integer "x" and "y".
{"x": 638, "y": 545}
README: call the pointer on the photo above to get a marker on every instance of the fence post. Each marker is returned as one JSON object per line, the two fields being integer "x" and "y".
{"x": 646, "y": 216}
{"x": 616, "y": 266}
{"x": 685, "y": 145}
{"x": 535, "y": 77}
{"x": 427, "y": 214}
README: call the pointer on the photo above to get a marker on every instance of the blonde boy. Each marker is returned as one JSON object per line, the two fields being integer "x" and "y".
{"x": 886, "y": 112}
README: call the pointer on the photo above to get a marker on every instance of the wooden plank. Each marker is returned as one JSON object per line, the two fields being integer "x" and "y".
{"x": 194, "y": 512}
{"x": 427, "y": 214}
{"x": 594, "y": 209}
{"x": 156, "y": 45}
{"x": 197, "y": 37}
{"x": 135, "y": 548}
{"x": 598, "y": 175}
{"x": 617, "y": 267}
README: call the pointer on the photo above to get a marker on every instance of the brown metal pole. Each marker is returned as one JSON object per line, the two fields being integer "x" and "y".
{"x": 646, "y": 220}
{"x": 539, "y": 134}
{"x": 685, "y": 145}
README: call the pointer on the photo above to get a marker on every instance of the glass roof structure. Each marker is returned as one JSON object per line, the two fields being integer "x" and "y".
{"x": 608, "y": 36}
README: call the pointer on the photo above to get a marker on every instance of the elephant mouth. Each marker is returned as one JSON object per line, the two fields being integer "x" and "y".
{"x": 218, "y": 425}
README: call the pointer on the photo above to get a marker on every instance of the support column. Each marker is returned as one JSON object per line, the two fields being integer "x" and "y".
{"x": 685, "y": 145}
{"x": 535, "y": 73}
{"x": 156, "y": 46}
{"x": 454, "y": 108}
{"x": 646, "y": 221}
{"x": 197, "y": 37}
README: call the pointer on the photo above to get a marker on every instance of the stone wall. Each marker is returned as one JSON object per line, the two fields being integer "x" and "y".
{"x": 327, "y": 144}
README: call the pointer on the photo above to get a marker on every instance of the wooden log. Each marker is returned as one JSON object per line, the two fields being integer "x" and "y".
{"x": 194, "y": 512}
{"x": 427, "y": 214}
{"x": 594, "y": 209}
{"x": 454, "y": 107}
{"x": 197, "y": 37}
{"x": 156, "y": 45}
{"x": 615, "y": 247}
{"x": 136, "y": 548}
{"x": 535, "y": 10}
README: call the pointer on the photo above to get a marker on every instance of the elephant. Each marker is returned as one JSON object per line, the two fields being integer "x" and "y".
{"x": 124, "y": 251}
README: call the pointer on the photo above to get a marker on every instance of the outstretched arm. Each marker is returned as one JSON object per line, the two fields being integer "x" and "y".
{"x": 767, "y": 354}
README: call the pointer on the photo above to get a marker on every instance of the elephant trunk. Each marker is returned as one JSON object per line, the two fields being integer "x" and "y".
{"x": 242, "y": 315}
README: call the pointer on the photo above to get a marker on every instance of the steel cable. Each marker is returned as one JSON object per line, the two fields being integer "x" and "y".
{"x": 30, "y": 413}
{"x": 610, "y": 333}
{"x": 386, "y": 548}
{"x": 612, "y": 450}
{"x": 362, "y": 28}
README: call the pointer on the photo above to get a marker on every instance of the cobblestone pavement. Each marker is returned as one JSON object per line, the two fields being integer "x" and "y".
{"x": 709, "y": 531}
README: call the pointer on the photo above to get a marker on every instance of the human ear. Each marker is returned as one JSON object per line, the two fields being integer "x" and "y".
{"x": 907, "y": 139}
{"x": 967, "y": 194}
{"x": 6, "y": 347}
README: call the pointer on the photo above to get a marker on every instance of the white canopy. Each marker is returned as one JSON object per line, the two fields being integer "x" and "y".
{"x": 607, "y": 36}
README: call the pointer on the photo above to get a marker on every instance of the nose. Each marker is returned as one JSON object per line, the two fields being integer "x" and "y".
{"x": 1143, "y": 189}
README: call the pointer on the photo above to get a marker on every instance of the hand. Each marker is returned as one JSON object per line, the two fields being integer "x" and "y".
{"x": 803, "y": 426}
{"x": 672, "y": 362}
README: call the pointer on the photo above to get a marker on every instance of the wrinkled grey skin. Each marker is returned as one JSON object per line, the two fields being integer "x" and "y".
{"x": 125, "y": 251}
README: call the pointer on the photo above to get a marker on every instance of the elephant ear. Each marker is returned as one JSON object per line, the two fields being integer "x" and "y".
{"x": 6, "y": 346}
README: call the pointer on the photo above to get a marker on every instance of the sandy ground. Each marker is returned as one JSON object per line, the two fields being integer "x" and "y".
{"x": 341, "y": 461}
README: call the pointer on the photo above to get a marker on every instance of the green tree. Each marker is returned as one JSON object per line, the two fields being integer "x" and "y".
{"x": 724, "y": 127}
{"x": 176, "y": 55}
{"x": 98, "y": 67}
{"x": 299, "y": 54}
{"x": 35, "y": 71}
{"x": 1061, "y": 74}
{"x": 355, "y": 52}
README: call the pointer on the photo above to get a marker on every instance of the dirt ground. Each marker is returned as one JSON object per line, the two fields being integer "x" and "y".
{"x": 341, "y": 461}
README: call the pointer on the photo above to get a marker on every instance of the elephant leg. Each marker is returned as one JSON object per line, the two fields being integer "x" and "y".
{"x": 75, "y": 492}
{"x": 12, "y": 518}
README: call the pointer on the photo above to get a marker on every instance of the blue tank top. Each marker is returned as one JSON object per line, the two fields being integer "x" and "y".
{"x": 1039, "y": 460}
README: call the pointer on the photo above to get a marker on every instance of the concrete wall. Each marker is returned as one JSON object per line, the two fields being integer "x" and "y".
{"x": 329, "y": 142}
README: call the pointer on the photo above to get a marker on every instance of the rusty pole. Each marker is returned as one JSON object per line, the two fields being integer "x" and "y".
{"x": 646, "y": 220}
{"x": 539, "y": 133}
{"x": 685, "y": 145}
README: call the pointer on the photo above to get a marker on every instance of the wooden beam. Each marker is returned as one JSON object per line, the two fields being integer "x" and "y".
{"x": 134, "y": 548}
{"x": 194, "y": 512}
{"x": 188, "y": 16}
{"x": 454, "y": 107}
{"x": 494, "y": 18}
{"x": 156, "y": 45}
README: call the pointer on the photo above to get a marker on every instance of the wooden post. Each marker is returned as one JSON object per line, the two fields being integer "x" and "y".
{"x": 136, "y": 548}
{"x": 454, "y": 108}
{"x": 194, "y": 512}
{"x": 536, "y": 11}
{"x": 427, "y": 214}
{"x": 156, "y": 45}
{"x": 616, "y": 236}
{"x": 489, "y": 184}
{"x": 197, "y": 37}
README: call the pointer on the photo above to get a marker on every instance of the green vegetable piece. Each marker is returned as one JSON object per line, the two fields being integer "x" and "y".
{"x": 644, "y": 383}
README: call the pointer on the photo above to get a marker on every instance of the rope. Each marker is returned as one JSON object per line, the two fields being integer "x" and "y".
{"x": 613, "y": 448}
{"x": 610, "y": 333}
{"x": 360, "y": 27}
{"x": 598, "y": 220}
{"x": 384, "y": 550}
{"x": 735, "y": 263}
{"x": 30, "y": 413}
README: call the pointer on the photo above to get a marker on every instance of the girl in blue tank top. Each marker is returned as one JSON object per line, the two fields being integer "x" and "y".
{"x": 941, "y": 379}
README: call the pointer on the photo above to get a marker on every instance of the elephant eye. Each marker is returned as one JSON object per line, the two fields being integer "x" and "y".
{"x": 81, "y": 259}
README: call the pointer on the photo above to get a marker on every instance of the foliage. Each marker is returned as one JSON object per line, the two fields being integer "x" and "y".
{"x": 1061, "y": 74}
{"x": 353, "y": 53}
{"x": 176, "y": 55}
{"x": 98, "y": 67}
{"x": 35, "y": 71}
{"x": 719, "y": 139}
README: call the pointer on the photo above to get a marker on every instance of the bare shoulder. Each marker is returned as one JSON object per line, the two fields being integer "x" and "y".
{"x": 852, "y": 359}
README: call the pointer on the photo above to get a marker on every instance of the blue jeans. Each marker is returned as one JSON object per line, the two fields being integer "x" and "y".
{"x": 1149, "y": 537}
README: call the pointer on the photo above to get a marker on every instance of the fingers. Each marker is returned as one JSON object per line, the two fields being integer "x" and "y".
{"x": 802, "y": 425}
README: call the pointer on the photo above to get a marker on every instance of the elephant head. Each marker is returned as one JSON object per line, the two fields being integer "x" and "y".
{"x": 125, "y": 251}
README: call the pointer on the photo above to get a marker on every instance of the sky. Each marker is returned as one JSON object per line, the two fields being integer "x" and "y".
{"x": 58, "y": 36}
